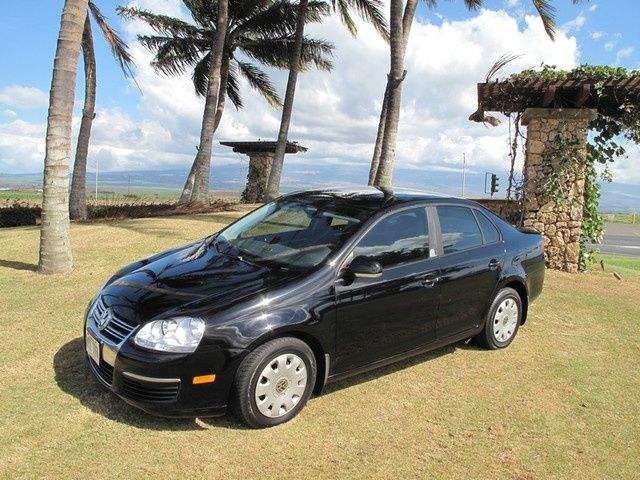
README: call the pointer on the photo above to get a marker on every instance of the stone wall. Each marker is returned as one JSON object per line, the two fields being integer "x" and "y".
{"x": 557, "y": 216}
{"x": 258, "y": 176}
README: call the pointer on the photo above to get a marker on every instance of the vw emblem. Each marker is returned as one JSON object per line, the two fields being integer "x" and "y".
{"x": 104, "y": 318}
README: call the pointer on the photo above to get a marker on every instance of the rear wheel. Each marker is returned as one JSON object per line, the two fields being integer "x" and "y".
{"x": 274, "y": 382}
{"x": 503, "y": 320}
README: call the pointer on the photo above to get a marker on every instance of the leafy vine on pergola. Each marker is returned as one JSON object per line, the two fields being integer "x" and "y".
{"x": 613, "y": 91}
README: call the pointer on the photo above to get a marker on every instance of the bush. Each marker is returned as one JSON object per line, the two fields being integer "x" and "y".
{"x": 19, "y": 214}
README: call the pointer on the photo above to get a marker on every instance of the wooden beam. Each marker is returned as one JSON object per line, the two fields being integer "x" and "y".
{"x": 549, "y": 95}
{"x": 583, "y": 95}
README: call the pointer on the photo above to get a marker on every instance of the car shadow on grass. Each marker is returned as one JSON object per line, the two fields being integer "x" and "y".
{"x": 74, "y": 378}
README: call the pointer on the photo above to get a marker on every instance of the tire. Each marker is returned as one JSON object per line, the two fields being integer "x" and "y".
{"x": 499, "y": 327}
{"x": 280, "y": 373}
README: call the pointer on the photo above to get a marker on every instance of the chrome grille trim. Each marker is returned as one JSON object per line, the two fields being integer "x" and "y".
{"x": 116, "y": 331}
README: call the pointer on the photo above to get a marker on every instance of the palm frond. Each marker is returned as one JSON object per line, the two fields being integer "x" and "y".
{"x": 473, "y": 4}
{"x": 547, "y": 14}
{"x": 342, "y": 7}
{"x": 501, "y": 63}
{"x": 276, "y": 52}
{"x": 174, "y": 55}
{"x": 119, "y": 48}
{"x": 260, "y": 81}
{"x": 200, "y": 75}
{"x": 233, "y": 87}
{"x": 162, "y": 24}
{"x": 372, "y": 11}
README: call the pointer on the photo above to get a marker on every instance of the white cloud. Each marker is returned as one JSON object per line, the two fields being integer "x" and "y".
{"x": 623, "y": 53}
{"x": 23, "y": 98}
{"x": 609, "y": 46}
{"x": 576, "y": 24}
{"x": 597, "y": 35}
{"x": 593, "y": 7}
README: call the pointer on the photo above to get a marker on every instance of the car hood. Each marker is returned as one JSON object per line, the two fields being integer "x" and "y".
{"x": 193, "y": 280}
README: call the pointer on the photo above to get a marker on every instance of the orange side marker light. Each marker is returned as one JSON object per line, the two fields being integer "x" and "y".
{"x": 204, "y": 379}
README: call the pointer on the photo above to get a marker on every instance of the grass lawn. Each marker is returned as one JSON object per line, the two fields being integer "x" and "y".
{"x": 561, "y": 402}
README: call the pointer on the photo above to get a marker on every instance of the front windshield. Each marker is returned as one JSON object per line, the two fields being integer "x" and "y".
{"x": 293, "y": 233}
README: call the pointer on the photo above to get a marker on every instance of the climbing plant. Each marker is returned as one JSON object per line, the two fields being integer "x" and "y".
{"x": 607, "y": 134}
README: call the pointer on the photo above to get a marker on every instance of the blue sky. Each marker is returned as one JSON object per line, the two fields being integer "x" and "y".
{"x": 335, "y": 113}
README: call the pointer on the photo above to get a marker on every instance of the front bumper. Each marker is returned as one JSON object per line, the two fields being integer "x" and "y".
{"x": 162, "y": 384}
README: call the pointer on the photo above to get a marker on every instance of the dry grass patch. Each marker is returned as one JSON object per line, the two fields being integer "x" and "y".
{"x": 562, "y": 402}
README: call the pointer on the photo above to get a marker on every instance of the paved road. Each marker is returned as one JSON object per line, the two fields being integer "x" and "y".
{"x": 621, "y": 239}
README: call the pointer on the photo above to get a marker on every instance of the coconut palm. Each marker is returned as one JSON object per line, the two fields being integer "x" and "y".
{"x": 369, "y": 10}
{"x": 400, "y": 20}
{"x": 55, "y": 240}
{"x": 119, "y": 49}
{"x": 258, "y": 32}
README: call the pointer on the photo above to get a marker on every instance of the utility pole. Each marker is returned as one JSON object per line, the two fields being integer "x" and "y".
{"x": 464, "y": 163}
{"x": 129, "y": 185}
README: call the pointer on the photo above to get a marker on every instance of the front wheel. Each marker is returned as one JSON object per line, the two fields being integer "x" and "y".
{"x": 274, "y": 382}
{"x": 503, "y": 320}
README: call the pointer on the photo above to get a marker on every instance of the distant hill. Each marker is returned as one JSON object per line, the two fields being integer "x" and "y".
{"x": 616, "y": 197}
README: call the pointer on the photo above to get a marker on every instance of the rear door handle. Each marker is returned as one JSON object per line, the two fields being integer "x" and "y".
{"x": 494, "y": 263}
{"x": 430, "y": 281}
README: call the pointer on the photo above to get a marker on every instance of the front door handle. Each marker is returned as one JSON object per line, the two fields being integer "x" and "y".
{"x": 430, "y": 281}
{"x": 494, "y": 263}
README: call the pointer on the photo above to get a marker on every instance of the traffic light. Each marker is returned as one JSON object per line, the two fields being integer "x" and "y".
{"x": 494, "y": 183}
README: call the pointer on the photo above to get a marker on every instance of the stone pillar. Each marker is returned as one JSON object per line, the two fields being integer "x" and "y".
{"x": 558, "y": 219}
{"x": 258, "y": 176}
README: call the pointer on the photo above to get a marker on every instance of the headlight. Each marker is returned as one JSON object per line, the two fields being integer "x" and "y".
{"x": 180, "y": 334}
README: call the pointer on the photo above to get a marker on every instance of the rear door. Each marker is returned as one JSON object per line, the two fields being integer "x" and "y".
{"x": 472, "y": 256}
{"x": 380, "y": 317}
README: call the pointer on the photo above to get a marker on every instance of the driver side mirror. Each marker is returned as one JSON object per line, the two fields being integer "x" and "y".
{"x": 364, "y": 267}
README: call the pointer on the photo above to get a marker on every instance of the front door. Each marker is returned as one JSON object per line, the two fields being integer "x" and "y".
{"x": 380, "y": 317}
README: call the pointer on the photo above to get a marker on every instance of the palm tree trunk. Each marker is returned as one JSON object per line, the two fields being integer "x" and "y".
{"x": 403, "y": 22}
{"x": 55, "y": 238}
{"x": 273, "y": 186}
{"x": 377, "y": 150}
{"x": 202, "y": 162}
{"x": 78, "y": 195}
{"x": 187, "y": 190}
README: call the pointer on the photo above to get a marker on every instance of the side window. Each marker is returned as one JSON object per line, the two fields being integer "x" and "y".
{"x": 459, "y": 228}
{"x": 490, "y": 232}
{"x": 400, "y": 237}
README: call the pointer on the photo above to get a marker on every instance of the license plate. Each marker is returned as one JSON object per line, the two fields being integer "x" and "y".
{"x": 93, "y": 349}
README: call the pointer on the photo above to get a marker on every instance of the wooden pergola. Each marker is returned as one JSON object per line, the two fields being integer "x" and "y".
{"x": 508, "y": 96}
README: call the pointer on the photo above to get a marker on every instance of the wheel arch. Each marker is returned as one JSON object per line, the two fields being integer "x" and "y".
{"x": 519, "y": 286}
{"x": 314, "y": 344}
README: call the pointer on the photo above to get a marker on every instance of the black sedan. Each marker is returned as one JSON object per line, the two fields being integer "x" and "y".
{"x": 303, "y": 291}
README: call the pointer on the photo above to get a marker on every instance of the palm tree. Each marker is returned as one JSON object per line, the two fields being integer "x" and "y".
{"x": 55, "y": 239}
{"x": 258, "y": 30}
{"x": 370, "y": 10}
{"x": 401, "y": 20}
{"x": 78, "y": 195}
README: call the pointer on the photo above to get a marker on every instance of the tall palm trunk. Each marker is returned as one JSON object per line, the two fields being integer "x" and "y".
{"x": 386, "y": 138}
{"x": 187, "y": 190}
{"x": 202, "y": 162}
{"x": 78, "y": 195}
{"x": 273, "y": 186}
{"x": 55, "y": 238}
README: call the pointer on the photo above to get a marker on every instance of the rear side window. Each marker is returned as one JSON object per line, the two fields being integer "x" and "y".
{"x": 490, "y": 232}
{"x": 460, "y": 230}
{"x": 398, "y": 238}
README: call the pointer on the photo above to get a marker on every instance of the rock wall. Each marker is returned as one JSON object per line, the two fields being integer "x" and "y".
{"x": 558, "y": 216}
{"x": 258, "y": 176}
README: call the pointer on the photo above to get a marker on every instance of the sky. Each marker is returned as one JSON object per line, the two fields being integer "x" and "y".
{"x": 157, "y": 126}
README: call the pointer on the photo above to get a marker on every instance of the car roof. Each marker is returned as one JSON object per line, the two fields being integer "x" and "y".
{"x": 374, "y": 198}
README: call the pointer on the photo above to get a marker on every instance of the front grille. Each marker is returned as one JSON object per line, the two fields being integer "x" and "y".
{"x": 104, "y": 372}
{"x": 117, "y": 329}
{"x": 149, "y": 391}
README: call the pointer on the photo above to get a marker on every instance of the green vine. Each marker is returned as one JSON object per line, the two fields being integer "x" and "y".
{"x": 607, "y": 132}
